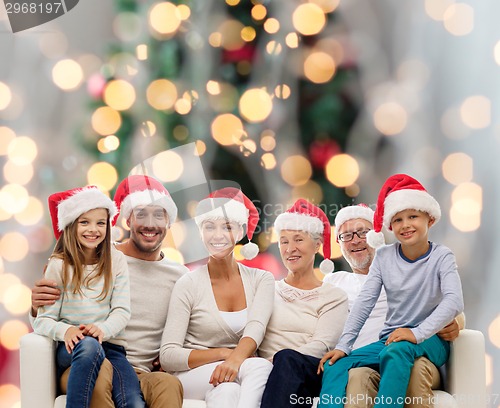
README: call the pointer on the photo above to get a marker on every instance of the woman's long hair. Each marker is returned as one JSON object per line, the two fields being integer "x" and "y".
{"x": 69, "y": 250}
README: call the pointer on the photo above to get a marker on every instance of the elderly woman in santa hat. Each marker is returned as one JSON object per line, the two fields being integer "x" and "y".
{"x": 308, "y": 315}
{"x": 218, "y": 313}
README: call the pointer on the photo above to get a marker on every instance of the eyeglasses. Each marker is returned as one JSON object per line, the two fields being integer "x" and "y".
{"x": 348, "y": 236}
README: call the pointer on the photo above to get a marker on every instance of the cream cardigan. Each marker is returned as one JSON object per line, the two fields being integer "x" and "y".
{"x": 195, "y": 323}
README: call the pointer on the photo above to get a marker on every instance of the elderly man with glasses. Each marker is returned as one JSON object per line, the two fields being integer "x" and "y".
{"x": 352, "y": 224}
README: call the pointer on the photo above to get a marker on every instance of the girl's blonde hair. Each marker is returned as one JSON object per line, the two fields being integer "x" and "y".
{"x": 69, "y": 250}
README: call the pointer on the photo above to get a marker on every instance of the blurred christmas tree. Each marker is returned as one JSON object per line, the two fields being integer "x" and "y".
{"x": 263, "y": 88}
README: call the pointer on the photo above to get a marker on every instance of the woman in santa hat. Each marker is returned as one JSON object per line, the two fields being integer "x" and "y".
{"x": 218, "y": 313}
{"x": 308, "y": 315}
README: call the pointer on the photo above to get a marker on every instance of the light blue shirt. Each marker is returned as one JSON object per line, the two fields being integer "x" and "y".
{"x": 423, "y": 295}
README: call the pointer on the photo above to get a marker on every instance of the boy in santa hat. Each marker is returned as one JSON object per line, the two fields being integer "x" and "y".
{"x": 423, "y": 293}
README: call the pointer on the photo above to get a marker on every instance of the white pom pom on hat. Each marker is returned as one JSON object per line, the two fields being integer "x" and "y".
{"x": 230, "y": 203}
{"x": 400, "y": 192}
{"x": 304, "y": 216}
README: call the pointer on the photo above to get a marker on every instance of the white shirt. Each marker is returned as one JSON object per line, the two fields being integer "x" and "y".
{"x": 352, "y": 283}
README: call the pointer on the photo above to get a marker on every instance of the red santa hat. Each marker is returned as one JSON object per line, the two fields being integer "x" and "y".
{"x": 304, "y": 216}
{"x": 141, "y": 190}
{"x": 400, "y": 192}
{"x": 353, "y": 212}
{"x": 65, "y": 207}
{"x": 230, "y": 203}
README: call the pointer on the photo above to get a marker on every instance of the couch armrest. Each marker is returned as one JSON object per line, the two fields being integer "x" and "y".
{"x": 38, "y": 371}
{"x": 467, "y": 370}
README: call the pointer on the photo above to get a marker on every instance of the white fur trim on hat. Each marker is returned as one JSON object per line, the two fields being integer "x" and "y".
{"x": 298, "y": 222}
{"x": 84, "y": 200}
{"x": 221, "y": 208}
{"x": 407, "y": 199}
{"x": 353, "y": 212}
{"x": 149, "y": 197}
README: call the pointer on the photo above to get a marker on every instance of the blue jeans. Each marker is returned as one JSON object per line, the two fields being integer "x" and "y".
{"x": 293, "y": 382}
{"x": 394, "y": 363}
{"x": 85, "y": 362}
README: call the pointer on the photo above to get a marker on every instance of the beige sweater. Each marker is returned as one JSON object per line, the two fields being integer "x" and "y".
{"x": 195, "y": 323}
{"x": 308, "y": 321}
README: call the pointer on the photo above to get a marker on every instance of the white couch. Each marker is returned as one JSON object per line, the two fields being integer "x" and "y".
{"x": 466, "y": 382}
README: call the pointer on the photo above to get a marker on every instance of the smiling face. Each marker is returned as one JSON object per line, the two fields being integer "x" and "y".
{"x": 220, "y": 236}
{"x": 357, "y": 252}
{"x": 91, "y": 228}
{"x": 411, "y": 227}
{"x": 297, "y": 250}
{"x": 148, "y": 227}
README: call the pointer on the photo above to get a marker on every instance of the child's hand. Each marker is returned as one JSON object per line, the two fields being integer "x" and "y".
{"x": 333, "y": 355}
{"x": 401, "y": 334}
{"x": 92, "y": 330}
{"x": 72, "y": 336}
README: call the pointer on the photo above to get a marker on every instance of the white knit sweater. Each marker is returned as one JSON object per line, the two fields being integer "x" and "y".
{"x": 308, "y": 321}
{"x": 195, "y": 323}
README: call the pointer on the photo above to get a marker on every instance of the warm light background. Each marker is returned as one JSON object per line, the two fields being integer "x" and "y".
{"x": 429, "y": 86}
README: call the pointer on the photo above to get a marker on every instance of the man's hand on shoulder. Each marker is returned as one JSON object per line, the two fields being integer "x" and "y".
{"x": 44, "y": 293}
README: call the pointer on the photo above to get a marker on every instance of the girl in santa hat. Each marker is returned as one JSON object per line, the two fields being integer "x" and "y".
{"x": 89, "y": 318}
{"x": 218, "y": 313}
{"x": 423, "y": 290}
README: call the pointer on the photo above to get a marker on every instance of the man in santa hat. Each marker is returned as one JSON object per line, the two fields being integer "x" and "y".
{"x": 148, "y": 210}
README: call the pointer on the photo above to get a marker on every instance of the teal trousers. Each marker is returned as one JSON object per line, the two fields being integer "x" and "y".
{"x": 394, "y": 362}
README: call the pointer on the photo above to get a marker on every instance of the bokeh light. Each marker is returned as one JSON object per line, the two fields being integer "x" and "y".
{"x": 271, "y": 26}
{"x": 167, "y": 166}
{"x": 7, "y": 280}
{"x": 326, "y": 5}
{"x": 13, "y": 198}
{"x": 436, "y": 9}
{"x": 475, "y": 112}
{"x": 10, "y": 333}
{"x": 9, "y": 394}
{"x": 342, "y": 170}
{"x": 494, "y": 331}
{"x": 67, "y": 74}
{"x": 268, "y": 161}
{"x": 467, "y": 204}
{"x": 106, "y": 121}
{"x": 18, "y": 174}
{"x": 5, "y": 96}
{"x": 13, "y": 246}
{"x": 164, "y": 18}
{"x": 201, "y": 148}
{"x": 311, "y": 191}
{"x": 17, "y": 300}
{"x": 161, "y": 94}
{"x": 7, "y": 135}
{"x": 259, "y": 12}
{"x": 22, "y": 150}
{"x": 119, "y": 94}
{"x": 458, "y": 19}
{"x": 230, "y": 32}
{"x": 458, "y": 168}
{"x": 103, "y": 175}
{"x": 390, "y": 118}
{"x": 296, "y": 170}
{"x": 308, "y": 19}
{"x": 319, "y": 67}
{"x": 255, "y": 105}
{"x": 226, "y": 129}
{"x": 32, "y": 213}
